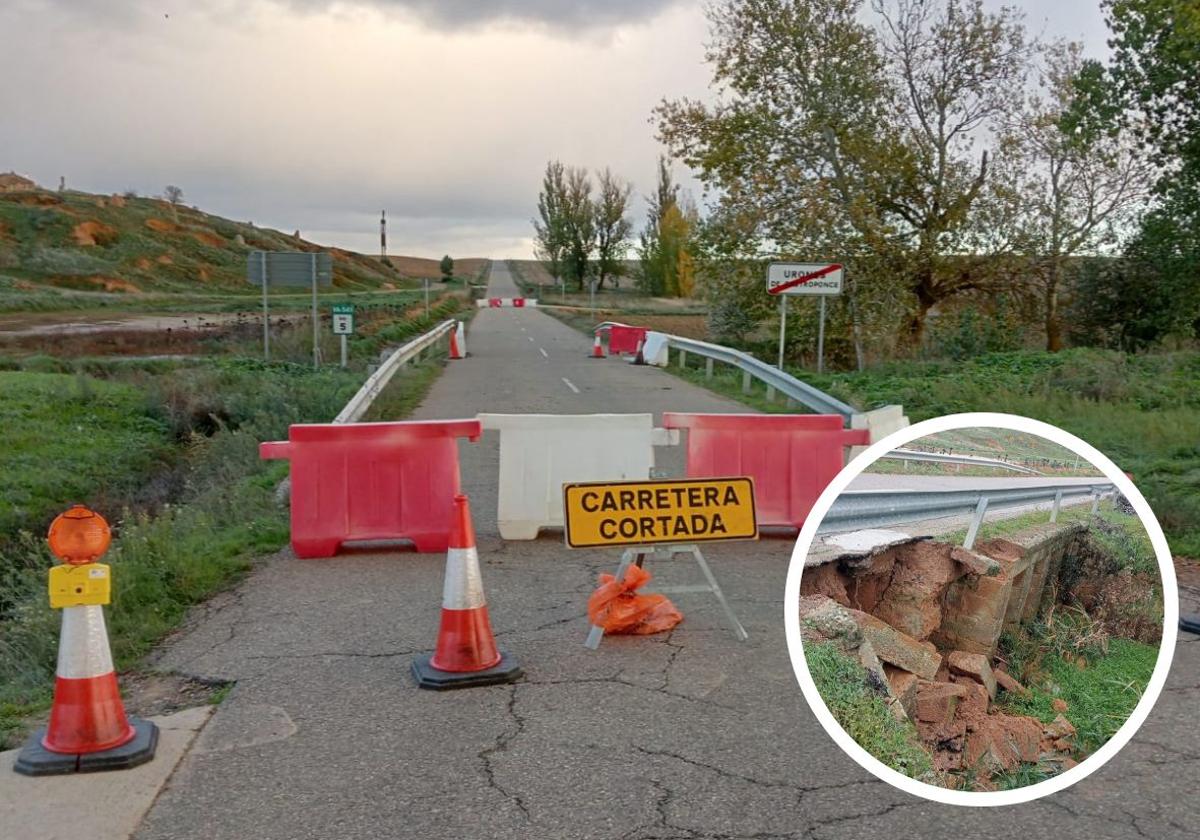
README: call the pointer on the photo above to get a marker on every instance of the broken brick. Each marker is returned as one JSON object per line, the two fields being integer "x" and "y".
{"x": 1006, "y": 681}
{"x": 937, "y": 702}
{"x": 973, "y": 665}
{"x": 895, "y": 647}
{"x": 904, "y": 687}
{"x": 975, "y": 562}
{"x": 824, "y": 620}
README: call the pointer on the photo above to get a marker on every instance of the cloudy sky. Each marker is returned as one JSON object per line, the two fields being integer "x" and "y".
{"x": 317, "y": 114}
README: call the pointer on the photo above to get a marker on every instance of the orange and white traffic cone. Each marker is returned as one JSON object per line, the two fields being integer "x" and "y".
{"x": 597, "y": 349}
{"x": 466, "y": 653}
{"x": 458, "y": 342}
{"x": 88, "y": 729}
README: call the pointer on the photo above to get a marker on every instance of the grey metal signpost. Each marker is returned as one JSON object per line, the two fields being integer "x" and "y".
{"x": 266, "y": 315}
{"x": 290, "y": 268}
{"x": 821, "y": 279}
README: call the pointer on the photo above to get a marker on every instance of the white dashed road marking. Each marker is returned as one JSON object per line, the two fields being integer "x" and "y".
{"x": 570, "y": 384}
{"x": 543, "y": 352}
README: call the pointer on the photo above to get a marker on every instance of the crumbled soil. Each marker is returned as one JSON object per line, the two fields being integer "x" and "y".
{"x": 94, "y": 233}
{"x": 161, "y": 225}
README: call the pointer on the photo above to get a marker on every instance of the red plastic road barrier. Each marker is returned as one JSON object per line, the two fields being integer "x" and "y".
{"x": 791, "y": 457}
{"x": 372, "y": 481}
{"x": 623, "y": 339}
{"x": 518, "y": 301}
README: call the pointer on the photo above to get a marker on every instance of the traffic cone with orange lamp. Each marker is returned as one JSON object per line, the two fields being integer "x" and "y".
{"x": 88, "y": 728}
{"x": 466, "y": 653}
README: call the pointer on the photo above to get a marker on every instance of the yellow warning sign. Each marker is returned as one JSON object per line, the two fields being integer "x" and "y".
{"x": 649, "y": 512}
{"x": 80, "y": 586}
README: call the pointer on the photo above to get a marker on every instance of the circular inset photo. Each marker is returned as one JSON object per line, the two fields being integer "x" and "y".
{"x": 981, "y": 609}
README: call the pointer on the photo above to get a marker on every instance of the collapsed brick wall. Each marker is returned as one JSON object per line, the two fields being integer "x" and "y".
{"x": 924, "y": 619}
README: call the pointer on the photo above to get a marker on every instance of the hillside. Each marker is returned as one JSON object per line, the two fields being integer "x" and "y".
{"x": 71, "y": 249}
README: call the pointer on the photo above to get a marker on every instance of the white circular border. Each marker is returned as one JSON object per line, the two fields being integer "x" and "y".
{"x": 791, "y": 610}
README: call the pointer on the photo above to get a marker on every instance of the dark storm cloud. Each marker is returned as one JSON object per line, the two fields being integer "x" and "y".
{"x": 560, "y": 15}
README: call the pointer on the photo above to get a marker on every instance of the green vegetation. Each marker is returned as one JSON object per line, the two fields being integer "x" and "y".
{"x": 860, "y": 710}
{"x": 1140, "y": 410}
{"x": 167, "y": 450}
{"x": 66, "y": 436}
{"x": 1101, "y": 686}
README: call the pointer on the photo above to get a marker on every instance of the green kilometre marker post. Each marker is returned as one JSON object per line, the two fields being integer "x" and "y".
{"x": 343, "y": 324}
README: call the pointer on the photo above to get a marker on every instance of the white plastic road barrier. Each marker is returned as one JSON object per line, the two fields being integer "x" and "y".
{"x": 541, "y": 452}
{"x": 880, "y": 423}
{"x": 654, "y": 350}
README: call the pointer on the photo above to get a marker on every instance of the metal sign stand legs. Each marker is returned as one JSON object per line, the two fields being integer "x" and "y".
{"x": 666, "y": 552}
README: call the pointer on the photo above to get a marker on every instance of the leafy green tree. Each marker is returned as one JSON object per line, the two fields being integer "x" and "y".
{"x": 1151, "y": 88}
{"x": 652, "y": 278}
{"x": 447, "y": 267}
{"x": 845, "y": 141}
{"x": 611, "y": 224}
{"x": 578, "y": 223}
{"x": 550, "y": 235}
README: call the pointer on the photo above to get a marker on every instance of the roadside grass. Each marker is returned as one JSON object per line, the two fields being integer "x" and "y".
{"x": 64, "y": 436}
{"x": 994, "y": 527}
{"x": 1100, "y": 687}
{"x": 200, "y": 535}
{"x": 859, "y": 710}
{"x": 888, "y": 466}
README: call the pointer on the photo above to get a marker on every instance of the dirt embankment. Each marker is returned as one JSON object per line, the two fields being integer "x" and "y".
{"x": 925, "y": 620}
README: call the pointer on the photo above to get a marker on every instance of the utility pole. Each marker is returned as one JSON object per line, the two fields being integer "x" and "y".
{"x": 383, "y": 236}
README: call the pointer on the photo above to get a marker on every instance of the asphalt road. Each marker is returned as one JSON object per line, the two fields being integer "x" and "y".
{"x": 690, "y": 734}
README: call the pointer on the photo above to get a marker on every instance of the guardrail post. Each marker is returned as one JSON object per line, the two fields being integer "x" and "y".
{"x": 708, "y": 368}
{"x": 683, "y": 358}
{"x": 770, "y": 393}
{"x": 976, "y": 521}
{"x": 1057, "y": 503}
{"x": 1095, "y": 503}
{"x": 746, "y": 382}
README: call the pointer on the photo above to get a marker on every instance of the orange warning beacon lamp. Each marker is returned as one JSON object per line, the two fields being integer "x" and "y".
{"x": 79, "y": 536}
{"x": 88, "y": 729}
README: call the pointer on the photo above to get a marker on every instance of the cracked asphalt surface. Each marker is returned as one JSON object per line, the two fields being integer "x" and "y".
{"x": 689, "y": 734}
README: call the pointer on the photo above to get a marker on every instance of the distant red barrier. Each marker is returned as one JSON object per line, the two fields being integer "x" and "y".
{"x": 518, "y": 301}
{"x": 495, "y": 303}
{"x": 372, "y": 481}
{"x": 623, "y": 339}
{"x": 791, "y": 457}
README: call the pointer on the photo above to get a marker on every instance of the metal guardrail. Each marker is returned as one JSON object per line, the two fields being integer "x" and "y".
{"x": 856, "y": 511}
{"x": 772, "y": 377}
{"x": 965, "y": 460}
{"x": 377, "y": 381}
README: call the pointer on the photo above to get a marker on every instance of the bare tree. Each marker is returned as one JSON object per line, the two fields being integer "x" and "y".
{"x": 174, "y": 195}
{"x": 612, "y": 226}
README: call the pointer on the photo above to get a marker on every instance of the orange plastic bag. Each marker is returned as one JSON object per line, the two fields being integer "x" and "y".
{"x": 616, "y": 606}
